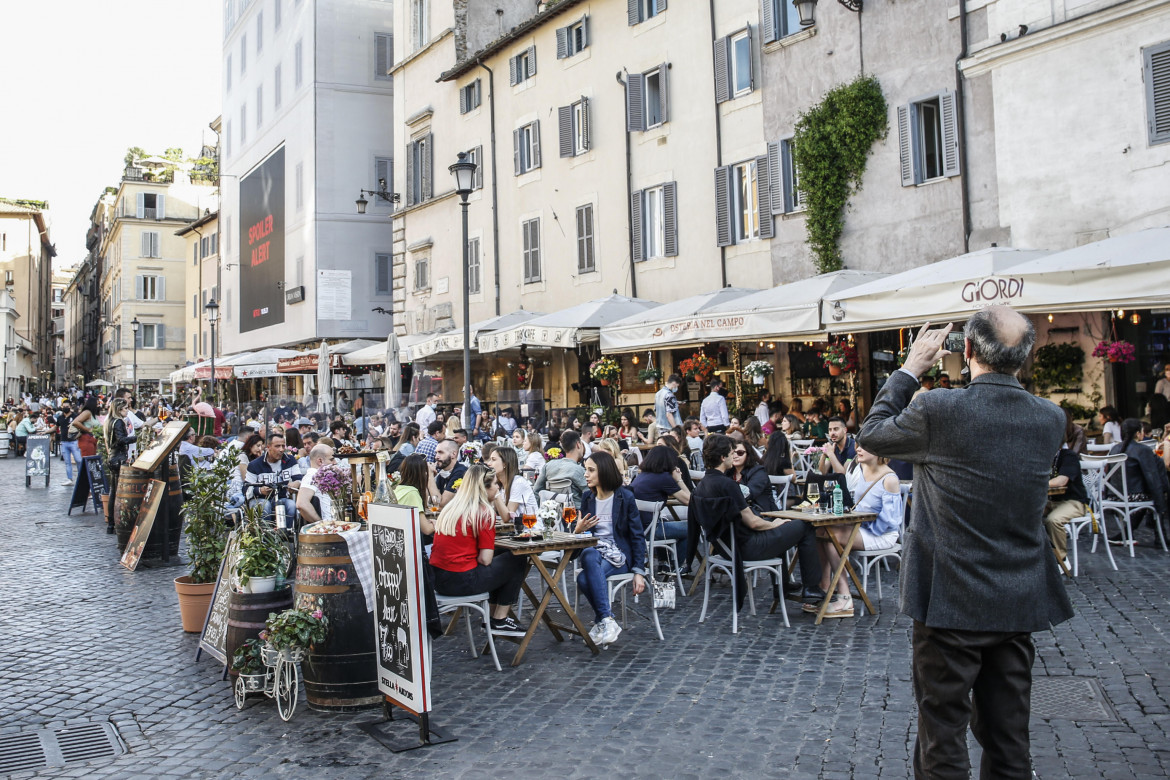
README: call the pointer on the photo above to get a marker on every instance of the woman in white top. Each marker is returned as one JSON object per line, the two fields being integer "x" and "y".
{"x": 534, "y": 452}
{"x": 1110, "y": 425}
{"x": 515, "y": 497}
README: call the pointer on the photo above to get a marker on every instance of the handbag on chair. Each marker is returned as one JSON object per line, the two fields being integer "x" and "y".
{"x": 663, "y": 592}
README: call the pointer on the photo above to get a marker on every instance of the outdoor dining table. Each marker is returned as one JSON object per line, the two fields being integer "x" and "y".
{"x": 552, "y": 542}
{"x": 819, "y": 520}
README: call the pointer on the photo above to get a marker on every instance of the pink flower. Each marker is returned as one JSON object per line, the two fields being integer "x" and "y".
{"x": 318, "y": 615}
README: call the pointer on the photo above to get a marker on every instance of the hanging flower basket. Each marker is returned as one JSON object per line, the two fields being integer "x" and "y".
{"x": 650, "y": 375}
{"x": 758, "y": 371}
{"x": 1116, "y": 351}
{"x": 841, "y": 357}
{"x": 698, "y": 367}
{"x": 605, "y": 370}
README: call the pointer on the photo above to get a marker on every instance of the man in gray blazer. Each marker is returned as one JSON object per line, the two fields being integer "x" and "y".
{"x": 978, "y": 576}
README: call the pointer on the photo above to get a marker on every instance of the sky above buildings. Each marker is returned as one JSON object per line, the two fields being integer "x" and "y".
{"x": 83, "y": 81}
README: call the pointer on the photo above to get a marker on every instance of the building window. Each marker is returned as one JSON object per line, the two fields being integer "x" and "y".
{"x": 382, "y": 278}
{"x": 150, "y": 206}
{"x": 531, "y": 230}
{"x": 214, "y": 243}
{"x": 383, "y": 179}
{"x": 422, "y": 271}
{"x": 300, "y": 186}
{"x": 745, "y": 206}
{"x": 276, "y": 89}
{"x": 743, "y": 200}
{"x": 299, "y": 272}
{"x": 194, "y": 345}
{"x": 420, "y": 23}
{"x": 522, "y": 66}
{"x": 419, "y": 170}
{"x": 475, "y": 155}
{"x": 243, "y": 124}
{"x": 150, "y": 287}
{"x": 153, "y": 336}
{"x": 653, "y": 217}
{"x": 298, "y": 67}
{"x": 572, "y": 39}
{"x": 641, "y": 10}
{"x": 928, "y": 139}
{"x": 227, "y": 139}
{"x": 739, "y": 56}
{"x": 573, "y": 128}
{"x": 1156, "y": 62}
{"x": 474, "y": 266}
{"x": 469, "y": 97}
{"x": 204, "y": 336}
{"x": 585, "y": 257}
{"x": 227, "y": 73}
{"x": 259, "y": 106}
{"x": 150, "y": 244}
{"x": 383, "y": 56}
{"x": 646, "y": 99}
{"x": 793, "y": 198}
{"x": 276, "y": 13}
{"x": 526, "y": 147}
{"x": 243, "y": 53}
{"x": 778, "y": 19}
{"x": 259, "y": 31}
{"x": 194, "y": 307}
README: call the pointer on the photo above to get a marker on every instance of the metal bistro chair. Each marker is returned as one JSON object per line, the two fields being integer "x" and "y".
{"x": 1115, "y": 498}
{"x": 780, "y": 487}
{"x": 478, "y": 602}
{"x": 616, "y": 583}
{"x": 802, "y": 463}
{"x": 721, "y": 556}
{"x": 669, "y": 545}
{"x": 1093, "y": 474}
{"x": 868, "y": 559}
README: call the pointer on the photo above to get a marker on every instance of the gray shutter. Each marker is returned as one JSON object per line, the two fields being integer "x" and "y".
{"x": 160, "y": 336}
{"x": 516, "y": 150}
{"x": 659, "y": 6}
{"x": 478, "y": 182}
{"x": 382, "y": 56}
{"x": 950, "y": 134}
{"x": 777, "y": 186}
{"x": 635, "y": 103}
{"x": 531, "y": 62}
{"x": 565, "y": 129}
{"x": 161, "y": 207}
{"x": 141, "y": 206}
{"x": 664, "y": 90}
{"x": 584, "y": 31}
{"x": 1157, "y": 78}
{"x": 536, "y": 144}
{"x": 410, "y": 174}
{"x": 139, "y": 290}
{"x": 722, "y": 72}
{"x": 670, "y": 219}
{"x": 768, "y": 20}
{"x": 478, "y": 96}
{"x": 633, "y": 12}
{"x": 562, "y": 42}
{"x": 513, "y": 71}
{"x": 764, "y": 195}
{"x": 428, "y": 159}
{"x": 905, "y": 146}
{"x": 137, "y": 339}
{"x": 145, "y": 244}
{"x": 463, "y": 107}
{"x": 723, "y": 206}
{"x": 751, "y": 59}
{"x": 585, "y": 122}
{"x": 636, "y": 224}
{"x": 160, "y": 288}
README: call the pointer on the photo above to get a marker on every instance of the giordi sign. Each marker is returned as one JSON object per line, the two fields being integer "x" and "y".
{"x": 993, "y": 290}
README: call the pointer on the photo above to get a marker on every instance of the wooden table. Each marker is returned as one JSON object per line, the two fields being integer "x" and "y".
{"x": 363, "y": 469}
{"x": 854, "y": 519}
{"x": 554, "y": 542}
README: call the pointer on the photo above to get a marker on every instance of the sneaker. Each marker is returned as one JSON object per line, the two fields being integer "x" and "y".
{"x": 597, "y": 632}
{"x": 840, "y": 608}
{"x": 611, "y": 631}
{"x": 67, "y": 483}
{"x": 506, "y": 627}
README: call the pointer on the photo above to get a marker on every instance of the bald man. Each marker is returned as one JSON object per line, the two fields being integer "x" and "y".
{"x": 322, "y": 509}
{"x": 978, "y": 573}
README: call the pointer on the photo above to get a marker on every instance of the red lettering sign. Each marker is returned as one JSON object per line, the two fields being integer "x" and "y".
{"x": 260, "y": 230}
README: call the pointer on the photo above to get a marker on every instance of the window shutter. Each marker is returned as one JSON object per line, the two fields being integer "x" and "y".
{"x": 664, "y": 89}
{"x": 562, "y": 42}
{"x": 381, "y": 56}
{"x": 531, "y": 62}
{"x": 635, "y": 103}
{"x": 777, "y": 185}
{"x": 768, "y": 20}
{"x": 428, "y": 158}
{"x": 585, "y": 123}
{"x": 160, "y": 288}
{"x": 751, "y": 59}
{"x": 161, "y": 207}
{"x": 659, "y": 6}
{"x": 722, "y": 74}
{"x": 160, "y": 336}
{"x": 514, "y": 70}
{"x": 584, "y": 31}
{"x": 636, "y": 224}
{"x": 1157, "y": 78}
{"x": 141, "y": 206}
{"x": 410, "y": 175}
{"x": 536, "y": 144}
{"x": 764, "y": 195}
{"x": 478, "y": 97}
{"x": 565, "y": 130}
{"x": 723, "y": 206}
{"x": 516, "y": 150}
{"x": 137, "y": 338}
{"x": 670, "y": 219}
{"x": 950, "y": 134}
{"x": 905, "y": 146}
{"x": 382, "y": 171}
{"x": 139, "y": 286}
{"x": 381, "y": 274}
{"x": 463, "y": 107}
{"x": 633, "y": 12}
{"x": 145, "y": 244}
{"x": 479, "y": 167}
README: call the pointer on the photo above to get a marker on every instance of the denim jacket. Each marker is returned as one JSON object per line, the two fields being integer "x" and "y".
{"x": 628, "y": 533}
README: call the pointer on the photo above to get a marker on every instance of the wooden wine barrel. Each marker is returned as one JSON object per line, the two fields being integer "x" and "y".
{"x": 247, "y": 613}
{"x": 341, "y": 672}
{"x": 132, "y": 484}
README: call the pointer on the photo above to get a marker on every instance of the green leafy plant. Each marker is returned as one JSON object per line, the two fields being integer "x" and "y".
{"x": 650, "y": 374}
{"x": 831, "y": 144}
{"x": 246, "y": 659}
{"x": 262, "y": 552}
{"x": 295, "y": 628}
{"x": 1058, "y": 366}
{"x": 1078, "y": 411}
{"x": 206, "y": 526}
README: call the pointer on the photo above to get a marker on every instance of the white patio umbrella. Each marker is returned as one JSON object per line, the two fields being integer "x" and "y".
{"x": 99, "y": 383}
{"x": 324, "y": 380}
{"x": 393, "y": 373}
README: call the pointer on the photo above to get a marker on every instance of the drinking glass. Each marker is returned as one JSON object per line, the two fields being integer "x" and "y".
{"x": 570, "y": 516}
{"x": 814, "y": 493}
{"x": 528, "y": 520}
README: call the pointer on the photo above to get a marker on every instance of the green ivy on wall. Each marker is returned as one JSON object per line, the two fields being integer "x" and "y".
{"x": 830, "y": 147}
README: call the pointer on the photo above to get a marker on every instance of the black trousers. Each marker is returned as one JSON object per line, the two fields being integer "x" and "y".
{"x": 501, "y": 580}
{"x": 110, "y": 508}
{"x": 775, "y": 542}
{"x": 981, "y": 678}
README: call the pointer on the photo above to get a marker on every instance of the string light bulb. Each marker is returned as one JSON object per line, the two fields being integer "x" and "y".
{"x": 1135, "y": 318}
{"x": 1050, "y": 318}
{"x": 771, "y": 345}
{"x": 1121, "y": 314}
{"x": 635, "y": 360}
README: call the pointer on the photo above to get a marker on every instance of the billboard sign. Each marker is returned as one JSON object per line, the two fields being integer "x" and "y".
{"x": 262, "y": 244}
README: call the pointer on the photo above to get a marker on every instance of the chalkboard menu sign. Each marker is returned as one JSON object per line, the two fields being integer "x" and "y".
{"x": 151, "y": 500}
{"x": 91, "y": 481}
{"x": 214, "y": 636}
{"x": 403, "y": 656}
{"x": 37, "y": 459}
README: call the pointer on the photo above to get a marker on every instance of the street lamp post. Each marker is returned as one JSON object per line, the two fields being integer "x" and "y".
{"x": 135, "y": 325}
{"x": 212, "y": 309}
{"x": 464, "y": 172}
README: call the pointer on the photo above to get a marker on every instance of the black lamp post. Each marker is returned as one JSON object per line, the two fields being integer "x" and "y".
{"x": 464, "y": 172}
{"x": 135, "y": 325}
{"x": 212, "y": 309}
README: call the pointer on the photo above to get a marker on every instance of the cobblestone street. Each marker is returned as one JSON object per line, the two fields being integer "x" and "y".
{"x": 89, "y": 641}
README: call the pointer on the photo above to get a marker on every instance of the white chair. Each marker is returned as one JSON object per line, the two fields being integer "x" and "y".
{"x": 697, "y": 460}
{"x": 478, "y": 602}
{"x": 1098, "y": 449}
{"x": 616, "y": 583}
{"x": 868, "y": 559}
{"x": 1115, "y": 499}
{"x": 1093, "y": 474}
{"x": 669, "y": 545}
{"x": 802, "y": 463}
{"x": 780, "y": 487}
{"x": 721, "y": 556}
{"x": 696, "y": 476}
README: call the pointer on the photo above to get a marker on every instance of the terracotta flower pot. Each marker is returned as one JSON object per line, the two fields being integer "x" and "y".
{"x": 834, "y": 371}
{"x": 194, "y": 601}
{"x": 605, "y": 383}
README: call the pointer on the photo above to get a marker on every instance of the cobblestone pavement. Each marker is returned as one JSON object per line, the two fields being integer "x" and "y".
{"x": 89, "y": 641}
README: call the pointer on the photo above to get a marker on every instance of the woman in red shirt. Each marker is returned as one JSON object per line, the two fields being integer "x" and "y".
{"x": 463, "y": 558}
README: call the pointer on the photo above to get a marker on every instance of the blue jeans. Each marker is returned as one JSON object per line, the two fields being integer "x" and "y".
{"x": 290, "y": 510}
{"x": 70, "y": 452}
{"x": 594, "y": 571}
{"x": 235, "y": 501}
{"x": 677, "y": 530}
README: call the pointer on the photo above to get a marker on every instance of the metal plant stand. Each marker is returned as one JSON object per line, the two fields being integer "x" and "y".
{"x": 281, "y": 680}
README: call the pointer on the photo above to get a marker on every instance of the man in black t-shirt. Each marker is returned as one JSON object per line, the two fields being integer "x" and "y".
{"x": 448, "y": 470}
{"x": 1066, "y": 474}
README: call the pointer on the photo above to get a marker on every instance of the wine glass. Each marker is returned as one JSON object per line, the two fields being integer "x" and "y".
{"x": 814, "y": 493}
{"x": 570, "y": 516}
{"x": 529, "y": 521}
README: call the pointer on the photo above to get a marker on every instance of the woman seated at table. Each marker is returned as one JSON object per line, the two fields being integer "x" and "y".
{"x": 752, "y": 477}
{"x": 1145, "y": 473}
{"x": 611, "y": 446}
{"x": 753, "y": 433}
{"x": 463, "y": 558}
{"x": 875, "y": 488}
{"x": 611, "y": 512}
{"x": 792, "y": 427}
{"x": 517, "y": 442}
{"x": 515, "y": 497}
{"x": 777, "y": 460}
{"x": 660, "y": 479}
{"x": 1110, "y": 425}
{"x": 415, "y": 474}
{"x": 533, "y": 451}
{"x": 407, "y": 441}
{"x": 668, "y": 440}
{"x": 1074, "y": 435}
{"x": 627, "y": 430}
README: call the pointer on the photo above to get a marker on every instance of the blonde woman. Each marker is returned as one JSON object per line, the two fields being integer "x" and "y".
{"x": 611, "y": 446}
{"x": 533, "y": 452}
{"x": 119, "y": 437}
{"x": 463, "y": 557}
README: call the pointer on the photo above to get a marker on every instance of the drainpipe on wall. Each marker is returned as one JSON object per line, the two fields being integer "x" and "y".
{"x": 629, "y": 188}
{"x": 964, "y": 186}
{"x": 495, "y": 182}
{"x": 718, "y": 148}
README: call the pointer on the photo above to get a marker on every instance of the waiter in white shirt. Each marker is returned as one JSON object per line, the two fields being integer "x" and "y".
{"x": 426, "y": 415}
{"x": 713, "y": 412}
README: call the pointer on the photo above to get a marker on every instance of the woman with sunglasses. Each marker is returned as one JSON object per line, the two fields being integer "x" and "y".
{"x": 752, "y": 477}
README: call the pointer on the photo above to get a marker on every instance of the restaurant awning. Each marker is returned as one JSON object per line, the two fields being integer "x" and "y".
{"x": 306, "y": 362}
{"x": 683, "y": 323}
{"x": 580, "y": 324}
{"x": 374, "y": 355}
{"x": 255, "y": 365}
{"x": 452, "y": 340}
{"x": 789, "y": 312}
{"x": 938, "y": 292}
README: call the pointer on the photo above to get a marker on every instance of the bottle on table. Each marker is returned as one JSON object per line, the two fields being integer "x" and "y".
{"x": 838, "y": 499}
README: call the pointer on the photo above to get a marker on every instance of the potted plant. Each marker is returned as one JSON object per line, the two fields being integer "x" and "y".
{"x": 840, "y": 357}
{"x": 1116, "y": 351}
{"x": 650, "y": 375}
{"x": 335, "y": 481}
{"x": 248, "y": 664}
{"x": 1058, "y": 366}
{"x": 758, "y": 371}
{"x": 698, "y": 367}
{"x": 207, "y": 531}
{"x": 605, "y": 370}
{"x": 263, "y": 554}
{"x": 293, "y": 631}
